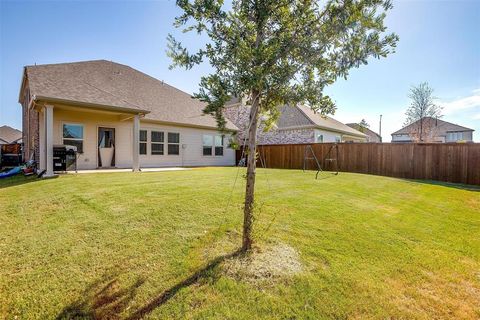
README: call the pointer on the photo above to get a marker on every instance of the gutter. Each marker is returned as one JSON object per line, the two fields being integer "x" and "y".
{"x": 186, "y": 125}
{"x": 32, "y": 102}
{"x": 88, "y": 105}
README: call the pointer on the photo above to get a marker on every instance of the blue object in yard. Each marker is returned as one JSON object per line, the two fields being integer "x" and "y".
{"x": 10, "y": 173}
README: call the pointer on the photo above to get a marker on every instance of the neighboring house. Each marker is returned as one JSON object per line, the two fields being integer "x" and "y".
{"x": 116, "y": 116}
{"x": 298, "y": 124}
{"x": 433, "y": 130}
{"x": 10, "y": 135}
{"x": 372, "y": 136}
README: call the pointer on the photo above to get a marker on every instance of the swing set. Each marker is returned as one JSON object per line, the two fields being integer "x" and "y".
{"x": 331, "y": 157}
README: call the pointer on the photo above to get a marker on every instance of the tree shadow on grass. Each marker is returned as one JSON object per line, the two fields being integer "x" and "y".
{"x": 164, "y": 296}
{"x": 19, "y": 180}
{"x": 105, "y": 299}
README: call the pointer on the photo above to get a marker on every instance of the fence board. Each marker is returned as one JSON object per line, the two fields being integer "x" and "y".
{"x": 450, "y": 162}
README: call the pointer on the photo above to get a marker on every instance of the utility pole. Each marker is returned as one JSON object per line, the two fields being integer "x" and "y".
{"x": 380, "y": 129}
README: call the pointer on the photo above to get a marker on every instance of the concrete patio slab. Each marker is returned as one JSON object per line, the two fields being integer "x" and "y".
{"x": 128, "y": 170}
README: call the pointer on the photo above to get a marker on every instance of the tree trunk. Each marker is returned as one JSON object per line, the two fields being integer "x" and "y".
{"x": 251, "y": 166}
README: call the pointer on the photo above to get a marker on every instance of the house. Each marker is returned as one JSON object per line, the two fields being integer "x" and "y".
{"x": 298, "y": 124}
{"x": 116, "y": 116}
{"x": 372, "y": 136}
{"x": 10, "y": 135}
{"x": 433, "y": 130}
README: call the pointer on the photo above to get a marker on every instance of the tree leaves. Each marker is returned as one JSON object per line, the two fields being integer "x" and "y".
{"x": 287, "y": 50}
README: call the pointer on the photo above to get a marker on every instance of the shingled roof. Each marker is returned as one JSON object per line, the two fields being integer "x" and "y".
{"x": 443, "y": 126}
{"x": 328, "y": 123}
{"x": 9, "y": 134}
{"x": 372, "y": 134}
{"x": 115, "y": 85}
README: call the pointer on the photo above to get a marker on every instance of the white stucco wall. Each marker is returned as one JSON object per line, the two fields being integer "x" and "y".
{"x": 191, "y": 148}
{"x": 331, "y": 136}
{"x": 191, "y": 155}
{"x": 401, "y": 138}
{"x": 459, "y": 136}
{"x": 328, "y": 136}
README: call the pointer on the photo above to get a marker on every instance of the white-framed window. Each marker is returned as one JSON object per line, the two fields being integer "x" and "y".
{"x": 157, "y": 139}
{"x": 338, "y": 139}
{"x": 207, "y": 145}
{"x": 73, "y": 135}
{"x": 173, "y": 143}
{"x": 219, "y": 145}
{"x": 143, "y": 142}
{"x": 213, "y": 145}
{"x": 319, "y": 138}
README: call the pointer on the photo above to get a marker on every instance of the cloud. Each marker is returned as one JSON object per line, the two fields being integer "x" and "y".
{"x": 461, "y": 104}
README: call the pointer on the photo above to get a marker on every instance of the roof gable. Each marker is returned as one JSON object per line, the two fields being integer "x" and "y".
{"x": 442, "y": 126}
{"x": 9, "y": 134}
{"x": 291, "y": 117}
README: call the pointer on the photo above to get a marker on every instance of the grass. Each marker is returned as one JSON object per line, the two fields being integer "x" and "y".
{"x": 152, "y": 245}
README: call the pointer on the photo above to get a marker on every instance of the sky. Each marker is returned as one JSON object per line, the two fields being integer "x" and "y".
{"x": 439, "y": 43}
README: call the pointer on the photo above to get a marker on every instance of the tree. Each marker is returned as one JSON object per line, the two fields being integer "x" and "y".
{"x": 422, "y": 114}
{"x": 277, "y": 52}
{"x": 363, "y": 125}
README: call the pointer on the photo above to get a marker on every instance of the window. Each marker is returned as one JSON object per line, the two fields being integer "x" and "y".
{"x": 174, "y": 143}
{"x": 157, "y": 140}
{"x": 338, "y": 139}
{"x": 454, "y": 136}
{"x": 73, "y": 136}
{"x": 143, "y": 141}
{"x": 219, "y": 145}
{"x": 319, "y": 138}
{"x": 207, "y": 145}
{"x": 213, "y": 145}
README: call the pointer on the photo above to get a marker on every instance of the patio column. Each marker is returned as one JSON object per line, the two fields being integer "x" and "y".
{"x": 48, "y": 115}
{"x": 42, "y": 165}
{"x": 136, "y": 143}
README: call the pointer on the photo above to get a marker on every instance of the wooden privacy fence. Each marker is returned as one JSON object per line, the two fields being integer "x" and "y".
{"x": 451, "y": 162}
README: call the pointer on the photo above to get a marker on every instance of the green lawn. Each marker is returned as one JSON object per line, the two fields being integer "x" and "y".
{"x": 126, "y": 245}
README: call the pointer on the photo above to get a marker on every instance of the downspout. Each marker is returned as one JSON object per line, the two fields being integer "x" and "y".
{"x": 31, "y": 104}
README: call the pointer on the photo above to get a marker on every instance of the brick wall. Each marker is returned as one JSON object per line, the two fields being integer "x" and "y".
{"x": 240, "y": 114}
{"x": 30, "y": 129}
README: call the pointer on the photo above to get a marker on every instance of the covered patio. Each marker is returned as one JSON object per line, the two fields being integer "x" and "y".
{"x": 91, "y": 128}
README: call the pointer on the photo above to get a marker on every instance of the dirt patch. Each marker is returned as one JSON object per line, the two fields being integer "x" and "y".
{"x": 267, "y": 264}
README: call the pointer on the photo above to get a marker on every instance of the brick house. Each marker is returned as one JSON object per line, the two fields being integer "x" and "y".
{"x": 298, "y": 124}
